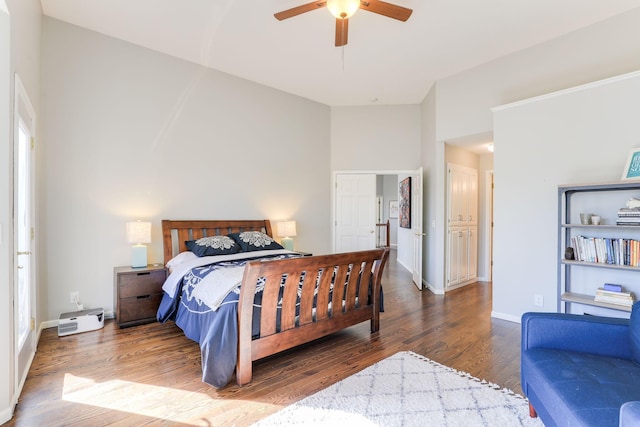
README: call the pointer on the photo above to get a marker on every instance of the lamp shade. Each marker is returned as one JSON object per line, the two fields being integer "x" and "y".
{"x": 287, "y": 229}
{"x": 343, "y": 9}
{"x": 139, "y": 232}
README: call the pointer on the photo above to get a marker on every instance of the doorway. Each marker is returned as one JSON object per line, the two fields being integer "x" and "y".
{"x": 355, "y": 206}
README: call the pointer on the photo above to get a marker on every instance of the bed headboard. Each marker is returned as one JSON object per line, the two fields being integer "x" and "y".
{"x": 175, "y": 233}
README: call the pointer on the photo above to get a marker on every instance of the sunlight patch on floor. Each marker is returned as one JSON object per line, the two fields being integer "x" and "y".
{"x": 147, "y": 400}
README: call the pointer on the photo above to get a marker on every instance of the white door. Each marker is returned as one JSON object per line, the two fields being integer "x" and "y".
{"x": 416, "y": 226}
{"x": 24, "y": 260}
{"x": 355, "y": 212}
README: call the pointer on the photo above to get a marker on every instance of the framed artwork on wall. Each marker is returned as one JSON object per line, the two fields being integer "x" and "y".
{"x": 393, "y": 209}
{"x": 632, "y": 168}
{"x": 404, "y": 210}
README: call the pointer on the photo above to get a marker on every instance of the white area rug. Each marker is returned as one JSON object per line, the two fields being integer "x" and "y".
{"x": 407, "y": 389}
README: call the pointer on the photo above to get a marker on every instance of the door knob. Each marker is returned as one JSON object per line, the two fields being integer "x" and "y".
{"x": 20, "y": 267}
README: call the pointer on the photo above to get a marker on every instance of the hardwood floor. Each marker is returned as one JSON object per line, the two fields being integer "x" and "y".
{"x": 151, "y": 374}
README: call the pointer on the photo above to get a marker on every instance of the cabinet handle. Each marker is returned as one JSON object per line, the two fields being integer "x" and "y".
{"x": 143, "y": 297}
{"x": 144, "y": 273}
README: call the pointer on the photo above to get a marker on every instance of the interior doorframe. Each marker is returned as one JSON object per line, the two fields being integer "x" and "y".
{"x": 22, "y": 108}
{"x": 335, "y": 174}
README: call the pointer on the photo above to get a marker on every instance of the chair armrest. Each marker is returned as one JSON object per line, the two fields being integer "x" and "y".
{"x": 630, "y": 414}
{"x": 604, "y": 336}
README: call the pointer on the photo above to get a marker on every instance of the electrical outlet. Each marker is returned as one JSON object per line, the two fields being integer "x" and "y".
{"x": 74, "y": 297}
{"x": 538, "y": 300}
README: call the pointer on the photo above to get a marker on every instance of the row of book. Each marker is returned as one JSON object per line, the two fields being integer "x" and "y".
{"x": 614, "y": 294}
{"x": 604, "y": 250}
{"x": 628, "y": 216}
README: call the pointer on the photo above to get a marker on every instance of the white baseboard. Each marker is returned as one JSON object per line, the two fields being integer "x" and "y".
{"x": 507, "y": 317}
{"x": 434, "y": 290}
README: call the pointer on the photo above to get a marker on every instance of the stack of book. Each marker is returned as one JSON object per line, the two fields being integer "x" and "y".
{"x": 614, "y": 294}
{"x": 630, "y": 215}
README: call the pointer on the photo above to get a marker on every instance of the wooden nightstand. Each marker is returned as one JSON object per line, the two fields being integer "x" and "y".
{"x": 137, "y": 294}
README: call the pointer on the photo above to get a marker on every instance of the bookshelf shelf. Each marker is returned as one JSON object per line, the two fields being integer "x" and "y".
{"x": 578, "y": 281}
{"x": 589, "y": 300}
{"x": 600, "y": 265}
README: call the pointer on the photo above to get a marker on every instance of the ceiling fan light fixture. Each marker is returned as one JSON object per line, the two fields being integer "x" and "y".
{"x": 343, "y": 9}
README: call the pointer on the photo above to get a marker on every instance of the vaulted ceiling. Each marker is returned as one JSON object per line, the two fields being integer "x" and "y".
{"x": 385, "y": 61}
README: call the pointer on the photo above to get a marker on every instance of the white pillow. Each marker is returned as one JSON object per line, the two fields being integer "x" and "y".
{"x": 182, "y": 257}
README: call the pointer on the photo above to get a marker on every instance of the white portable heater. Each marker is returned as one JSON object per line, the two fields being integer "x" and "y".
{"x": 80, "y": 321}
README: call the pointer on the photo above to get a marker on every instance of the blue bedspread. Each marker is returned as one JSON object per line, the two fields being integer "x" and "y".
{"x": 215, "y": 330}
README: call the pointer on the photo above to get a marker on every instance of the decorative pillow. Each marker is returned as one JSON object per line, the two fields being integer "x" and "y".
{"x": 255, "y": 241}
{"x": 634, "y": 332}
{"x": 213, "y": 245}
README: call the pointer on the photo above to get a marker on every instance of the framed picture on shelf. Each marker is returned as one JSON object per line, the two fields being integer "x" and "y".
{"x": 393, "y": 209}
{"x": 404, "y": 210}
{"x": 632, "y": 168}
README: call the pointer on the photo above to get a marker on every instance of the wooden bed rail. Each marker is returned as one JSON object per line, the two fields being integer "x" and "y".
{"x": 353, "y": 299}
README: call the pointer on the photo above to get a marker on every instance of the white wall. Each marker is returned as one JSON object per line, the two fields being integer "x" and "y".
{"x": 6, "y": 244}
{"x": 375, "y": 138}
{"x": 433, "y": 218}
{"x": 575, "y": 136}
{"x": 130, "y": 133}
{"x": 605, "y": 49}
{"x": 459, "y": 106}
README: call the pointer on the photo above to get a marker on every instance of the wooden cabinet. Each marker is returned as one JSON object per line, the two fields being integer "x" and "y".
{"x": 578, "y": 280}
{"x": 137, "y": 294}
{"x": 462, "y": 219}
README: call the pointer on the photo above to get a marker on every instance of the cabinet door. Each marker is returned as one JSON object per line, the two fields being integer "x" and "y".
{"x": 456, "y": 196}
{"x": 472, "y": 198}
{"x": 453, "y": 243}
{"x": 463, "y": 254}
{"x": 472, "y": 252}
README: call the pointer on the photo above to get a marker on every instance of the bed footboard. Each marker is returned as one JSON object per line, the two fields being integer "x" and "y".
{"x": 333, "y": 291}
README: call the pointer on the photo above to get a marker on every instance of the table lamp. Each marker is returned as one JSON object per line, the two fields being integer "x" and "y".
{"x": 287, "y": 230}
{"x": 138, "y": 233}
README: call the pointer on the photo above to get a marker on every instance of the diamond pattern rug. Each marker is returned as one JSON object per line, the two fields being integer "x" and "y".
{"x": 407, "y": 389}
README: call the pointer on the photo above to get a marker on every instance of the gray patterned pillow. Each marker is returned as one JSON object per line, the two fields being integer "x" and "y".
{"x": 213, "y": 245}
{"x": 254, "y": 241}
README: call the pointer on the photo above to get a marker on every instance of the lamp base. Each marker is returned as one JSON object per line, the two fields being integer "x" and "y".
{"x": 287, "y": 243}
{"x": 138, "y": 256}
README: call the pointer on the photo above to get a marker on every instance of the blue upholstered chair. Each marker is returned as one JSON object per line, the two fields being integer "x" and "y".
{"x": 580, "y": 370}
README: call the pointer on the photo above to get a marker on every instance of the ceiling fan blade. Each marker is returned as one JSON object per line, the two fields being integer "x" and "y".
{"x": 387, "y": 9}
{"x": 298, "y": 10}
{"x": 342, "y": 31}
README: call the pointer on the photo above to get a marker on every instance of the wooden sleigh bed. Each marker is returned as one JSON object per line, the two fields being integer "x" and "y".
{"x": 281, "y": 303}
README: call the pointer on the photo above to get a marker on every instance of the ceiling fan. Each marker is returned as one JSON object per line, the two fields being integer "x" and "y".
{"x": 344, "y": 9}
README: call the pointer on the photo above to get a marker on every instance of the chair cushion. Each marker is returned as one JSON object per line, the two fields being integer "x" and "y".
{"x": 634, "y": 332}
{"x": 580, "y": 388}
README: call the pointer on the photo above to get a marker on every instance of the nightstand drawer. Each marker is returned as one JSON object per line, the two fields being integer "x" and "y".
{"x": 141, "y": 284}
{"x": 139, "y": 308}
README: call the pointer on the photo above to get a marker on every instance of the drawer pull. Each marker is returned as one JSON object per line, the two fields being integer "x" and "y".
{"x": 143, "y": 297}
{"x": 144, "y": 273}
